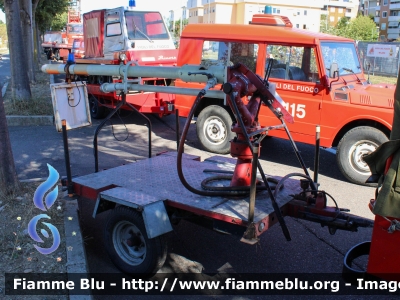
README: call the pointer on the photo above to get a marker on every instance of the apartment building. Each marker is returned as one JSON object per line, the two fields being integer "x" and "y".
{"x": 305, "y": 15}
{"x": 337, "y": 9}
{"x": 387, "y": 16}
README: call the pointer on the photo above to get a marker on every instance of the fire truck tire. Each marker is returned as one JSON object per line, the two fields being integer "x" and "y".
{"x": 96, "y": 110}
{"x": 354, "y": 145}
{"x": 129, "y": 247}
{"x": 57, "y": 54}
{"x": 214, "y": 129}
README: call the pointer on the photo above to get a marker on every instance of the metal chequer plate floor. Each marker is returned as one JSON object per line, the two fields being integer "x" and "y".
{"x": 156, "y": 179}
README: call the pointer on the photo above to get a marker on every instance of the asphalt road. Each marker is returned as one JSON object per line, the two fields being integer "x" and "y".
{"x": 5, "y": 70}
{"x": 192, "y": 248}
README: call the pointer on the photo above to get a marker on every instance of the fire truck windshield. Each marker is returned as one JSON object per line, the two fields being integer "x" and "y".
{"x": 344, "y": 54}
{"x": 75, "y": 28}
{"x": 145, "y": 26}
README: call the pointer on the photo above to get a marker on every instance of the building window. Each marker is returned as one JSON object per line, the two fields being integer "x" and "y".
{"x": 332, "y": 18}
{"x": 305, "y": 13}
{"x": 298, "y": 13}
{"x": 274, "y": 10}
{"x": 348, "y": 11}
{"x": 377, "y": 13}
{"x": 278, "y": 11}
{"x": 385, "y": 2}
{"x": 297, "y": 26}
{"x": 384, "y": 14}
{"x": 304, "y": 26}
{"x": 333, "y": 9}
{"x": 383, "y": 26}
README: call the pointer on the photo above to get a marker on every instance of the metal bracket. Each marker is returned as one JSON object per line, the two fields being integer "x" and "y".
{"x": 250, "y": 236}
{"x": 125, "y": 80}
{"x": 153, "y": 210}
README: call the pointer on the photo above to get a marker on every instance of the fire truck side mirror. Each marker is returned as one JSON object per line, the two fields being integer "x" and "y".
{"x": 333, "y": 70}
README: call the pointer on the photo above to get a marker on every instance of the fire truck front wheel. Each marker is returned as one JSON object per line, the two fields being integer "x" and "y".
{"x": 214, "y": 129}
{"x": 353, "y": 147}
{"x": 129, "y": 247}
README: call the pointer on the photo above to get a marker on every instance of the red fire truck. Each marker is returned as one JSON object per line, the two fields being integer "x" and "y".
{"x": 59, "y": 44}
{"x": 127, "y": 36}
{"x": 319, "y": 76}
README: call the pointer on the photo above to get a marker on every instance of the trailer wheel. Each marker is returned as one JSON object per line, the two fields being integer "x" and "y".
{"x": 356, "y": 144}
{"x": 97, "y": 111}
{"x": 214, "y": 129}
{"x": 129, "y": 247}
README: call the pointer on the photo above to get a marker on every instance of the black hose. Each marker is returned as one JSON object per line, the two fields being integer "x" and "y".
{"x": 204, "y": 184}
{"x": 236, "y": 191}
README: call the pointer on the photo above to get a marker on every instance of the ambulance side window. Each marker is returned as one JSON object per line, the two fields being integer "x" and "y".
{"x": 293, "y": 63}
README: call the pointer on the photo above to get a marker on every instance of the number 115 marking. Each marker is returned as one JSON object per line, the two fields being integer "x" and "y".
{"x": 298, "y": 110}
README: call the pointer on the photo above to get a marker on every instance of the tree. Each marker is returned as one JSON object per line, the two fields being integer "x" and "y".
{"x": 343, "y": 27}
{"x": 52, "y": 15}
{"x": 37, "y": 47}
{"x": 363, "y": 28}
{"x": 8, "y": 175}
{"x": 27, "y": 35}
{"x": 177, "y": 31}
{"x": 19, "y": 76}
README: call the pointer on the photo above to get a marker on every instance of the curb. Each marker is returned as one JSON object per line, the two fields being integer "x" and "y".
{"x": 76, "y": 256}
{"x": 28, "y": 120}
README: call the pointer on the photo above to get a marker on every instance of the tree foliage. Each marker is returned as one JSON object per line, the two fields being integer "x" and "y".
{"x": 176, "y": 30}
{"x": 3, "y": 35}
{"x": 362, "y": 28}
{"x": 52, "y": 15}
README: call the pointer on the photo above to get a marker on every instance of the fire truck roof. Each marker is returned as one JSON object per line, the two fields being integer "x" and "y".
{"x": 257, "y": 33}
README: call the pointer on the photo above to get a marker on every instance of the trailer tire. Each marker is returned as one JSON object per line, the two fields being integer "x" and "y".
{"x": 214, "y": 129}
{"x": 354, "y": 145}
{"x": 129, "y": 247}
{"x": 97, "y": 111}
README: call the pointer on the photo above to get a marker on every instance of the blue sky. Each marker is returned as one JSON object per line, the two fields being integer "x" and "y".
{"x": 164, "y": 6}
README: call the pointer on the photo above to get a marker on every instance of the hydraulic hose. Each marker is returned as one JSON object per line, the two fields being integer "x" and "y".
{"x": 283, "y": 179}
{"x": 232, "y": 191}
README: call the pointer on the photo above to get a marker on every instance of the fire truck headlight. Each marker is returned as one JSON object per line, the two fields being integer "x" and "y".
{"x": 122, "y": 56}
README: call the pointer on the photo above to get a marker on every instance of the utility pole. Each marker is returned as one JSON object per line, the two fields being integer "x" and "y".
{"x": 180, "y": 28}
{"x": 171, "y": 17}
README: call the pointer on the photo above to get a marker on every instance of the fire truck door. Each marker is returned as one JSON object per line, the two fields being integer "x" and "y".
{"x": 115, "y": 32}
{"x": 295, "y": 73}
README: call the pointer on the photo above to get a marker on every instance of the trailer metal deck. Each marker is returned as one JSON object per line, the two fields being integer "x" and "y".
{"x": 156, "y": 180}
